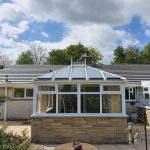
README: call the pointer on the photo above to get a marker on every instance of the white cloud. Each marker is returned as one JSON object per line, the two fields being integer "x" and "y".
{"x": 11, "y": 12}
{"x": 147, "y": 32}
{"x": 102, "y": 37}
{"x": 89, "y": 22}
{"x": 78, "y": 11}
{"x": 44, "y": 34}
{"x": 9, "y": 30}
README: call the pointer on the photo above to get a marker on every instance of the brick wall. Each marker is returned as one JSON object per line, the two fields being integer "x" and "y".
{"x": 60, "y": 129}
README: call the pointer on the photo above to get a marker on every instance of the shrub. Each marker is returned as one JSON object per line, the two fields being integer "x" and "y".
{"x": 10, "y": 141}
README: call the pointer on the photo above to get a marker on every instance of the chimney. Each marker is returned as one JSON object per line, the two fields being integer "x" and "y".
{"x": 86, "y": 57}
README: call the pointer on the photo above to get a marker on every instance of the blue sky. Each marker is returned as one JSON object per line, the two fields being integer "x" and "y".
{"x": 45, "y": 32}
{"x": 57, "y": 24}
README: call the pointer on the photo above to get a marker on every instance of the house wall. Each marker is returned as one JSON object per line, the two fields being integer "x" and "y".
{"x": 130, "y": 107}
{"x": 62, "y": 129}
{"x": 17, "y": 110}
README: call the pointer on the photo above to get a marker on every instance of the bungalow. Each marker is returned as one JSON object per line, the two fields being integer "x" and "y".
{"x": 96, "y": 96}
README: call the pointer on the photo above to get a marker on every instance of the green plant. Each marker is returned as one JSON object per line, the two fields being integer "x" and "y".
{"x": 3, "y": 99}
{"x": 10, "y": 141}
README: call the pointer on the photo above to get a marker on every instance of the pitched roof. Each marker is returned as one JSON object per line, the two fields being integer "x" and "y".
{"x": 133, "y": 72}
{"x": 78, "y": 72}
{"x": 25, "y": 73}
{"x": 22, "y": 73}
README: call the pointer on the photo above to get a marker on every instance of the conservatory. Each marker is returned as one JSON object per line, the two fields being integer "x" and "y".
{"x": 79, "y": 103}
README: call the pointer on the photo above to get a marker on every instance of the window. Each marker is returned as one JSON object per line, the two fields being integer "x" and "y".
{"x": 111, "y": 103}
{"x": 146, "y": 89}
{"x": 111, "y": 88}
{"x": 90, "y": 88}
{"x": 23, "y": 92}
{"x": 19, "y": 92}
{"x": 67, "y": 103}
{"x": 46, "y": 103}
{"x": 67, "y": 88}
{"x": 130, "y": 93}
{"x": 46, "y": 88}
{"x": 29, "y": 92}
{"x": 90, "y": 103}
{"x": 146, "y": 96}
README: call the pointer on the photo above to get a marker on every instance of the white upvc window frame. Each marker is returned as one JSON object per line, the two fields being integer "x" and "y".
{"x": 78, "y": 93}
{"x": 129, "y": 92}
{"x": 25, "y": 91}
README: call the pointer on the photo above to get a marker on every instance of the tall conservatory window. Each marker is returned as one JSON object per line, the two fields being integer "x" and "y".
{"x": 90, "y": 88}
{"x": 46, "y": 103}
{"x": 90, "y": 103}
{"x": 67, "y": 88}
{"x": 111, "y": 88}
{"x": 67, "y": 103}
{"x": 111, "y": 103}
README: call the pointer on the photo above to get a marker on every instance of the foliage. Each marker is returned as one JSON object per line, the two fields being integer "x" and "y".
{"x": 3, "y": 99}
{"x": 146, "y": 54}
{"x": 119, "y": 56}
{"x": 74, "y": 52}
{"x": 129, "y": 55}
{"x": 36, "y": 55}
{"x": 25, "y": 58}
{"x": 9, "y": 141}
{"x": 133, "y": 55}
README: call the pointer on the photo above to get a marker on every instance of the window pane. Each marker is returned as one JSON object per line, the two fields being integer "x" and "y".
{"x": 132, "y": 93}
{"x": 90, "y": 88}
{"x": 67, "y": 103}
{"x": 90, "y": 103}
{"x": 18, "y": 92}
{"x": 111, "y": 88}
{"x": 29, "y": 92}
{"x": 145, "y": 88}
{"x": 67, "y": 88}
{"x": 111, "y": 103}
{"x": 46, "y": 103}
{"x": 47, "y": 88}
{"x": 146, "y": 95}
{"x": 127, "y": 93}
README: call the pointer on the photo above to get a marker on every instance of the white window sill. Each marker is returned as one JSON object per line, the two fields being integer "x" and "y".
{"x": 79, "y": 115}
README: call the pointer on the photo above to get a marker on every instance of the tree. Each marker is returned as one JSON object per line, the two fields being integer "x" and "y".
{"x": 130, "y": 55}
{"x": 4, "y": 60}
{"x": 133, "y": 55}
{"x": 119, "y": 56}
{"x": 36, "y": 55}
{"x": 25, "y": 58}
{"x": 56, "y": 57}
{"x": 74, "y": 52}
{"x": 146, "y": 54}
{"x": 95, "y": 54}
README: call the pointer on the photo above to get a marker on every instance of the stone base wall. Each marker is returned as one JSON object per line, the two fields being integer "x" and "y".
{"x": 57, "y": 130}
